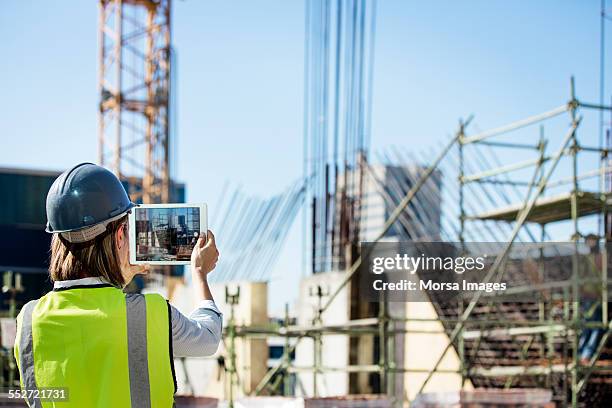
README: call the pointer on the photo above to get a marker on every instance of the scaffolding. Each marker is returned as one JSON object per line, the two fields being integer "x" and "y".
{"x": 541, "y": 210}
{"x": 466, "y": 326}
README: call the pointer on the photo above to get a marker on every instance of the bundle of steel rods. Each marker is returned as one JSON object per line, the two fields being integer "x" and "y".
{"x": 251, "y": 232}
{"x": 339, "y": 60}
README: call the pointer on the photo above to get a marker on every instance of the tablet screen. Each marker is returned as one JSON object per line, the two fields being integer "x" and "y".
{"x": 166, "y": 233}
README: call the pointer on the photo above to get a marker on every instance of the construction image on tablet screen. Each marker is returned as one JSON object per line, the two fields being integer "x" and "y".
{"x": 165, "y": 233}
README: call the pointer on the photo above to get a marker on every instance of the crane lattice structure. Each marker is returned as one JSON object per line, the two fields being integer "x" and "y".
{"x": 134, "y": 83}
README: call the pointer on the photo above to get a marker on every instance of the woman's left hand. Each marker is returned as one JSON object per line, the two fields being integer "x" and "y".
{"x": 140, "y": 269}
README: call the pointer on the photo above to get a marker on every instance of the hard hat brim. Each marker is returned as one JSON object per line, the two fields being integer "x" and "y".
{"x": 111, "y": 218}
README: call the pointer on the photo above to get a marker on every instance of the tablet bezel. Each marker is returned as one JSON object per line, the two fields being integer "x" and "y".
{"x": 132, "y": 229}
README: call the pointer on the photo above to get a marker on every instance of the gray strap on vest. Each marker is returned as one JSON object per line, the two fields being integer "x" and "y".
{"x": 26, "y": 352}
{"x": 140, "y": 392}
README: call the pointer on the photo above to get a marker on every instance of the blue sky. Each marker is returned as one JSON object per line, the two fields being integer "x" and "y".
{"x": 240, "y": 83}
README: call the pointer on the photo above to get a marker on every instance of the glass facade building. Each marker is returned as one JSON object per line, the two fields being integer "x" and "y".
{"x": 24, "y": 244}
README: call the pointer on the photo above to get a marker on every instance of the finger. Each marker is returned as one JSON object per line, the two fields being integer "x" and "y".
{"x": 140, "y": 269}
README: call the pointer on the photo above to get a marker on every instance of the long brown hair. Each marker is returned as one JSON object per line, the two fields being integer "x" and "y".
{"x": 95, "y": 258}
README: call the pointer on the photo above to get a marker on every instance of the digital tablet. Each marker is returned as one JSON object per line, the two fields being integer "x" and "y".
{"x": 165, "y": 234}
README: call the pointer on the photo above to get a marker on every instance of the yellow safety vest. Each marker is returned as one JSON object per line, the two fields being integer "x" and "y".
{"x": 103, "y": 347}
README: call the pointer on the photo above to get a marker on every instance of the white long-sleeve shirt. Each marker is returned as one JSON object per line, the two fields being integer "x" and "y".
{"x": 194, "y": 336}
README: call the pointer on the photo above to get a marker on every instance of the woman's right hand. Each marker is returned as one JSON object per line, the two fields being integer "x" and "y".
{"x": 205, "y": 255}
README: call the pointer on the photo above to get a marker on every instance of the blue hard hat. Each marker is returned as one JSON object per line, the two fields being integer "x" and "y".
{"x": 83, "y": 200}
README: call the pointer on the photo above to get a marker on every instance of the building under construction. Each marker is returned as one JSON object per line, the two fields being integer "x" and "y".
{"x": 550, "y": 348}
{"x": 470, "y": 192}
{"x": 344, "y": 345}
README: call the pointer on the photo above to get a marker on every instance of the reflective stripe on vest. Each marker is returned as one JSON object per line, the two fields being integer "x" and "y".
{"x": 26, "y": 356}
{"x": 140, "y": 367}
{"x": 140, "y": 389}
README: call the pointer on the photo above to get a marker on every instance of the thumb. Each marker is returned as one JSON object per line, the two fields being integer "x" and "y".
{"x": 210, "y": 240}
{"x": 201, "y": 242}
